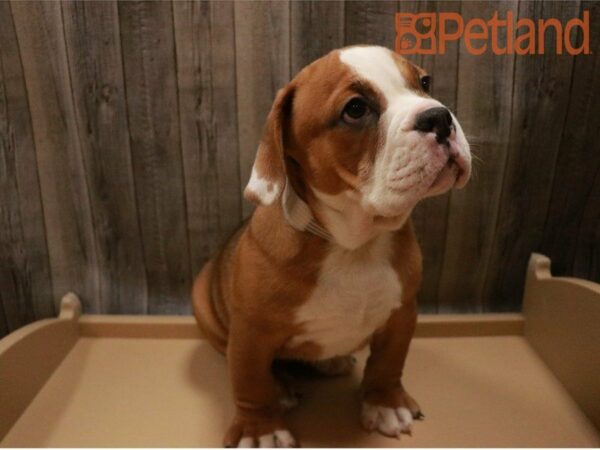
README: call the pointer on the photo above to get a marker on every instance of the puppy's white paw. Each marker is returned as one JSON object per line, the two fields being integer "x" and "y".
{"x": 391, "y": 422}
{"x": 277, "y": 439}
{"x": 289, "y": 401}
{"x": 284, "y": 439}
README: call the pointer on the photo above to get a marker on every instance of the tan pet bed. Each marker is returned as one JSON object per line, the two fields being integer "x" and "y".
{"x": 482, "y": 380}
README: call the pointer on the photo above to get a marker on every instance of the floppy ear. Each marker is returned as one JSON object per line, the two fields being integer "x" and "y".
{"x": 268, "y": 172}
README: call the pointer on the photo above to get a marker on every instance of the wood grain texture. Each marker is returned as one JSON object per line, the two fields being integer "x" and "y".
{"x": 4, "y": 330}
{"x": 128, "y": 131}
{"x": 431, "y": 216}
{"x": 100, "y": 116}
{"x": 208, "y": 121}
{"x": 62, "y": 176}
{"x": 484, "y": 102}
{"x": 370, "y": 23}
{"x": 571, "y": 231}
{"x": 317, "y": 27}
{"x": 147, "y": 40}
{"x": 540, "y": 98}
{"x": 262, "y": 49}
{"x": 586, "y": 262}
{"x": 25, "y": 286}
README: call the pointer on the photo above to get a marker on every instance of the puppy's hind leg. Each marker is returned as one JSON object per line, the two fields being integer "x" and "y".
{"x": 204, "y": 310}
{"x": 336, "y": 366}
{"x": 287, "y": 381}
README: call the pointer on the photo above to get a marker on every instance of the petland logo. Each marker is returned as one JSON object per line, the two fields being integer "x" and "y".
{"x": 428, "y": 34}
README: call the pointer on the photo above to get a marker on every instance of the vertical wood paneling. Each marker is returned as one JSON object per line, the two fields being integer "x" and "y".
{"x": 317, "y": 27}
{"x": 262, "y": 49}
{"x": 371, "y": 22}
{"x": 207, "y": 83}
{"x": 430, "y": 216}
{"x": 540, "y": 98}
{"x": 128, "y": 132}
{"x": 151, "y": 87}
{"x": 96, "y": 71}
{"x": 62, "y": 175}
{"x": 484, "y": 101}
{"x": 25, "y": 289}
{"x": 586, "y": 262}
{"x": 571, "y": 231}
{"x": 18, "y": 309}
{"x": 4, "y": 330}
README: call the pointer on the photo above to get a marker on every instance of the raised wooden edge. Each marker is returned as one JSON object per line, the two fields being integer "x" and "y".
{"x": 538, "y": 269}
{"x": 185, "y": 327}
{"x": 561, "y": 324}
{"x": 464, "y": 325}
{"x": 70, "y": 307}
{"x": 124, "y": 326}
{"x": 29, "y": 356}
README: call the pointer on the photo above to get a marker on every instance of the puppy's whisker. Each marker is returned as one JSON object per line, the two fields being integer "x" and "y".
{"x": 477, "y": 159}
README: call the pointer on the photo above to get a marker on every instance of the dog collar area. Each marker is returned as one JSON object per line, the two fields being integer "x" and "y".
{"x": 299, "y": 215}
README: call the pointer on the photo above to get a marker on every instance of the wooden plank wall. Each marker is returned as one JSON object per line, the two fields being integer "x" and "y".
{"x": 128, "y": 130}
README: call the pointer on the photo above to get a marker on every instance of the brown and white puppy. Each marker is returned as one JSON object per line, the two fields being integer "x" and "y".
{"x": 328, "y": 262}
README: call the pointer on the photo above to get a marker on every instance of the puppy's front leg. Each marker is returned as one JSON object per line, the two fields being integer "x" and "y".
{"x": 386, "y": 406}
{"x": 258, "y": 421}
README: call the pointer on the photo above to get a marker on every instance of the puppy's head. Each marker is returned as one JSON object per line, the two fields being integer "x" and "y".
{"x": 357, "y": 131}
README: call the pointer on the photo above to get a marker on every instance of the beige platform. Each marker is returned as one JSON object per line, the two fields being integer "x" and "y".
{"x": 482, "y": 380}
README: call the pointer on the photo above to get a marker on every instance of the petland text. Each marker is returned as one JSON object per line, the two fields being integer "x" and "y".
{"x": 429, "y": 33}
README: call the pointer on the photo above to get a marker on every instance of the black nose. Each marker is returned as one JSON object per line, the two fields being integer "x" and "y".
{"x": 438, "y": 120}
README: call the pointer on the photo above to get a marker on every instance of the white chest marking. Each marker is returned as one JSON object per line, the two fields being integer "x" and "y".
{"x": 356, "y": 291}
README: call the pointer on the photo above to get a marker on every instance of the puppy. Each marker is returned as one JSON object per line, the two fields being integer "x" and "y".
{"x": 329, "y": 263}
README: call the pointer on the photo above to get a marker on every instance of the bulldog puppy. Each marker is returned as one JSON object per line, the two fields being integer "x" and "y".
{"x": 328, "y": 262}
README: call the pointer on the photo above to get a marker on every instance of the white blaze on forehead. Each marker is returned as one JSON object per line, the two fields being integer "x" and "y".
{"x": 377, "y": 65}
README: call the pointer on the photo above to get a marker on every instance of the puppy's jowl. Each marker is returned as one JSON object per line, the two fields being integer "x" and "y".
{"x": 328, "y": 263}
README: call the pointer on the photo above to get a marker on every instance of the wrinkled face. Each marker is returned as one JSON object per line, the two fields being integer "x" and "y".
{"x": 358, "y": 130}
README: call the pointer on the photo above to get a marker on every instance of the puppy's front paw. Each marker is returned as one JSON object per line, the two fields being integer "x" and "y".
{"x": 277, "y": 439}
{"x": 391, "y": 414}
{"x": 256, "y": 433}
{"x": 391, "y": 422}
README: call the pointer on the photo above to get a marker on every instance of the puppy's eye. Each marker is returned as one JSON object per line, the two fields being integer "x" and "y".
{"x": 355, "y": 110}
{"x": 426, "y": 83}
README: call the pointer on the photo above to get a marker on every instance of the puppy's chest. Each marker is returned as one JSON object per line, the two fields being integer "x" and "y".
{"x": 354, "y": 297}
